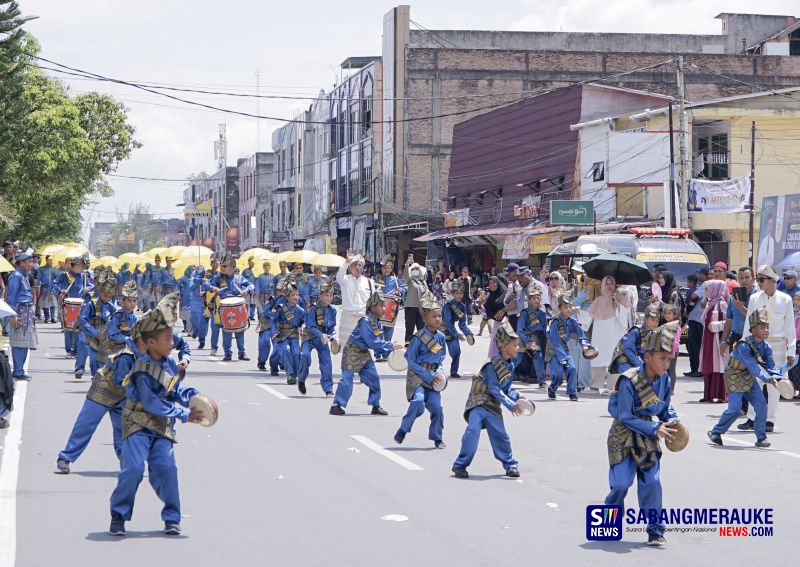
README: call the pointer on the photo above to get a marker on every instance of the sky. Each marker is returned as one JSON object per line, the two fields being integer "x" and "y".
{"x": 296, "y": 48}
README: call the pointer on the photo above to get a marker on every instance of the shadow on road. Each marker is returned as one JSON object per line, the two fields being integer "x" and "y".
{"x": 618, "y": 547}
{"x": 105, "y": 536}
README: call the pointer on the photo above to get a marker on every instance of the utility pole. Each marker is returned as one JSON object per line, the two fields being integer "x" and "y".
{"x": 752, "y": 193}
{"x": 683, "y": 148}
{"x": 673, "y": 214}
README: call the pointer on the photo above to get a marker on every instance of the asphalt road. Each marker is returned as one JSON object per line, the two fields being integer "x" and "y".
{"x": 280, "y": 482}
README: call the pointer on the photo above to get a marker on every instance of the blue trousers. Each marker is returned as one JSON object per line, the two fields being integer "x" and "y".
{"x": 227, "y": 343}
{"x": 70, "y": 342}
{"x": 325, "y": 364}
{"x": 454, "y": 350}
{"x": 199, "y": 324}
{"x": 557, "y": 375}
{"x": 620, "y": 478}
{"x": 369, "y": 377}
{"x": 19, "y": 355}
{"x": 161, "y": 469}
{"x": 214, "y": 333}
{"x": 422, "y": 399}
{"x": 264, "y": 346}
{"x": 756, "y": 398}
{"x": 276, "y": 358}
{"x": 94, "y": 364}
{"x": 89, "y": 418}
{"x": 252, "y": 310}
{"x": 81, "y": 353}
{"x": 290, "y": 355}
{"x": 477, "y": 419}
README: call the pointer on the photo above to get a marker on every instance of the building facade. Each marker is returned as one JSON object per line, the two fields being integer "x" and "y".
{"x": 257, "y": 177}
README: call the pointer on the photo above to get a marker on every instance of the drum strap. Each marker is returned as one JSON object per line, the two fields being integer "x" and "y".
{"x": 376, "y": 329}
{"x": 500, "y": 366}
{"x": 167, "y": 380}
{"x": 533, "y": 320}
{"x": 428, "y": 340}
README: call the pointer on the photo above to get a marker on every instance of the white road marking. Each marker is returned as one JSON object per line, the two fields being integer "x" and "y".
{"x": 9, "y": 473}
{"x": 370, "y": 444}
{"x": 746, "y": 444}
{"x": 273, "y": 391}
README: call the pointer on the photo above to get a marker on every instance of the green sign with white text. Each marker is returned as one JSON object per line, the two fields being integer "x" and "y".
{"x": 571, "y": 212}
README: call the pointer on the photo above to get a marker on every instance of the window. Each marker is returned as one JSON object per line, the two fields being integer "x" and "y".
{"x": 598, "y": 171}
{"x": 291, "y": 160}
{"x": 366, "y": 184}
{"x": 712, "y": 155}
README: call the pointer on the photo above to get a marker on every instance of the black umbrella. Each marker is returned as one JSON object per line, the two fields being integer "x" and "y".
{"x": 624, "y": 269}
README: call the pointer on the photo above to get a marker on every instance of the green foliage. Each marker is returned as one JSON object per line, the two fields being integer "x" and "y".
{"x": 54, "y": 149}
{"x": 138, "y": 224}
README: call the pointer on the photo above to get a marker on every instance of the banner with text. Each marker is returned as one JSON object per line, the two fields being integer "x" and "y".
{"x": 517, "y": 247}
{"x": 779, "y": 232}
{"x": 726, "y": 196}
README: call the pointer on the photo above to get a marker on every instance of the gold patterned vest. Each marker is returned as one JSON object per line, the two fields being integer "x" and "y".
{"x": 562, "y": 334}
{"x": 319, "y": 316}
{"x": 285, "y": 329}
{"x": 457, "y": 316}
{"x": 134, "y": 417}
{"x": 619, "y": 357}
{"x": 104, "y": 390}
{"x": 479, "y": 392}
{"x": 414, "y": 380}
{"x": 737, "y": 376}
{"x": 622, "y": 441}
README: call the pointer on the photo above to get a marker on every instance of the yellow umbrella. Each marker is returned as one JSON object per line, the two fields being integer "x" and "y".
{"x": 256, "y": 252}
{"x": 173, "y": 251}
{"x": 64, "y": 253}
{"x": 179, "y": 266}
{"x": 329, "y": 260}
{"x": 107, "y": 261}
{"x": 259, "y": 260}
{"x": 195, "y": 252}
{"x": 5, "y": 265}
{"x": 49, "y": 249}
{"x": 303, "y": 256}
{"x": 153, "y": 251}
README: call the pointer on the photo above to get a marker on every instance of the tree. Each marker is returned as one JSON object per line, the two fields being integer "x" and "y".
{"x": 139, "y": 224}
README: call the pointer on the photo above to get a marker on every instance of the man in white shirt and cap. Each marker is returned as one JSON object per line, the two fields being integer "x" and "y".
{"x": 356, "y": 289}
{"x": 782, "y": 335}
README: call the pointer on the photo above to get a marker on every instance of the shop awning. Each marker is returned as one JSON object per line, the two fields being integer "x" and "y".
{"x": 505, "y": 229}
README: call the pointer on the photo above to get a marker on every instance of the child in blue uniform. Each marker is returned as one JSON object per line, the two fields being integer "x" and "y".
{"x": 491, "y": 390}
{"x": 454, "y": 313}
{"x": 184, "y": 288}
{"x": 389, "y": 285}
{"x": 532, "y": 331}
{"x": 629, "y": 352}
{"x": 265, "y": 330}
{"x": 289, "y": 319}
{"x": 228, "y": 284}
{"x": 95, "y": 315}
{"x": 562, "y": 327}
{"x": 368, "y": 335}
{"x": 263, "y": 290}
{"x": 642, "y": 393}
{"x": 320, "y": 330}
{"x": 250, "y": 276}
{"x": 198, "y": 310}
{"x": 156, "y": 398}
{"x": 751, "y": 360}
{"x": 276, "y": 358}
{"x": 76, "y": 282}
{"x": 425, "y": 355}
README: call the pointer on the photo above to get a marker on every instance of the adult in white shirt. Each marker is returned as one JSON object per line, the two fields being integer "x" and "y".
{"x": 356, "y": 289}
{"x": 766, "y": 248}
{"x": 782, "y": 335}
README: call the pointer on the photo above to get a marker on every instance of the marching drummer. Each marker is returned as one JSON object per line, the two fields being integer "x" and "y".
{"x": 289, "y": 319}
{"x": 563, "y": 327}
{"x": 227, "y": 284}
{"x": 74, "y": 283}
{"x": 320, "y": 330}
{"x": 425, "y": 375}
{"x": 491, "y": 390}
{"x": 168, "y": 281}
{"x": 95, "y": 315}
{"x": 389, "y": 285}
{"x": 642, "y": 392}
{"x": 455, "y": 313}
{"x": 532, "y": 331}
{"x": 368, "y": 335}
{"x": 211, "y": 300}
{"x": 250, "y": 276}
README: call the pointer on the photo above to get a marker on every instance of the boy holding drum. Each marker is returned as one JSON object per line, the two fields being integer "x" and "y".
{"x": 289, "y": 318}
{"x": 455, "y": 313}
{"x": 320, "y": 330}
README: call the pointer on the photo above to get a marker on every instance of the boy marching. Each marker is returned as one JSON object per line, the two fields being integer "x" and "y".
{"x": 562, "y": 327}
{"x": 289, "y": 319}
{"x": 532, "y": 331}
{"x": 454, "y": 313}
{"x": 320, "y": 330}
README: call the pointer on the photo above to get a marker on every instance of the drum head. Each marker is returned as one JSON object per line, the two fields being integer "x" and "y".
{"x": 232, "y": 301}
{"x": 786, "y": 388}
{"x": 470, "y": 339}
{"x": 443, "y": 385}
{"x": 207, "y": 407}
{"x": 527, "y": 406}
{"x": 590, "y": 352}
{"x": 681, "y": 438}
{"x": 397, "y": 361}
{"x": 336, "y": 346}
{"x": 73, "y": 301}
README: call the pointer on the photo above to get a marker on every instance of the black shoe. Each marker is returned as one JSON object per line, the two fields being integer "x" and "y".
{"x": 261, "y": 366}
{"x": 716, "y": 438}
{"x": 770, "y": 427}
{"x": 580, "y": 390}
{"x": 243, "y": 357}
{"x": 440, "y": 444}
{"x": 381, "y": 360}
{"x": 201, "y": 346}
{"x": 689, "y": 374}
{"x": 78, "y": 374}
{"x": 746, "y": 426}
{"x": 291, "y": 380}
{"x": 3, "y": 423}
{"x": 455, "y": 375}
{"x": 273, "y": 373}
{"x": 459, "y": 472}
{"x": 227, "y": 358}
{"x": 399, "y": 437}
{"x": 512, "y": 472}
{"x": 378, "y": 410}
{"x": 62, "y": 466}
{"x": 117, "y": 527}
{"x": 302, "y": 387}
{"x": 655, "y": 540}
{"x": 763, "y": 443}
{"x": 551, "y": 394}
{"x": 329, "y": 394}
{"x": 213, "y": 352}
{"x": 172, "y": 528}
{"x": 573, "y": 398}
{"x": 336, "y": 410}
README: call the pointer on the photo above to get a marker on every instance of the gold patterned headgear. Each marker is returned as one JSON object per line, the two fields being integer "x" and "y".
{"x": 505, "y": 334}
{"x": 427, "y": 303}
{"x": 759, "y": 317}
{"x": 106, "y": 281}
{"x": 534, "y": 291}
{"x": 374, "y": 300}
{"x": 228, "y": 261}
{"x": 662, "y": 339}
{"x": 325, "y": 285}
{"x": 653, "y": 310}
{"x": 130, "y": 290}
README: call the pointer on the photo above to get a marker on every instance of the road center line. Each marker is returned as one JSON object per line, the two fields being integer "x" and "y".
{"x": 370, "y": 444}
{"x": 273, "y": 391}
{"x": 9, "y": 473}
{"x": 746, "y": 444}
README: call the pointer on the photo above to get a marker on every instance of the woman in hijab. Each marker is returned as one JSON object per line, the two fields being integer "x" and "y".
{"x": 712, "y": 364}
{"x": 494, "y": 303}
{"x": 669, "y": 289}
{"x": 556, "y": 287}
{"x": 610, "y": 313}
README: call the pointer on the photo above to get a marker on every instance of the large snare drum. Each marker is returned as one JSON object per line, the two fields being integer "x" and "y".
{"x": 390, "y": 310}
{"x": 71, "y": 313}
{"x": 233, "y": 314}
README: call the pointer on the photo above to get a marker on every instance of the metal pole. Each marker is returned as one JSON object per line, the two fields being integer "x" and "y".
{"x": 751, "y": 239}
{"x": 683, "y": 189}
{"x": 672, "y": 212}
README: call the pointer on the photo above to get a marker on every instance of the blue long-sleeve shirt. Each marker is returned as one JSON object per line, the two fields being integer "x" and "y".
{"x": 185, "y": 289}
{"x": 264, "y": 285}
{"x": 168, "y": 279}
{"x": 123, "y": 364}
{"x": 19, "y": 289}
{"x": 183, "y": 348}
{"x": 365, "y": 337}
{"x": 154, "y": 397}
{"x": 329, "y": 324}
{"x": 81, "y": 284}
{"x": 744, "y": 354}
{"x": 530, "y": 322}
{"x": 124, "y": 277}
{"x": 632, "y": 348}
{"x": 248, "y": 274}
{"x": 294, "y": 316}
{"x": 196, "y": 289}
{"x": 450, "y": 319}
{"x": 417, "y": 353}
{"x": 625, "y": 405}
{"x": 47, "y": 279}
{"x": 560, "y": 347}
{"x": 503, "y": 393}
{"x": 119, "y": 328}
{"x": 90, "y": 316}
{"x": 229, "y": 286}
{"x": 737, "y": 317}
{"x": 314, "y": 282}
{"x": 304, "y": 287}
{"x": 391, "y": 285}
